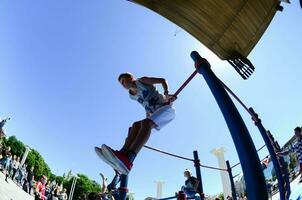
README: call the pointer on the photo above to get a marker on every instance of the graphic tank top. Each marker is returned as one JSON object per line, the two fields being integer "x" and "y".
{"x": 148, "y": 96}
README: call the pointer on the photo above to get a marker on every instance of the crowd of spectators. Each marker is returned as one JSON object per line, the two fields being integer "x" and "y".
{"x": 42, "y": 189}
{"x": 23, "y": 176}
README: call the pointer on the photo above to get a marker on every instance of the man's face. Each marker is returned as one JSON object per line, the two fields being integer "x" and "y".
{"x": 44, "y": 180}
{"x": 298, "y": 133}
{"x": 126, "y": 82}
{"x": 186, "y": 174}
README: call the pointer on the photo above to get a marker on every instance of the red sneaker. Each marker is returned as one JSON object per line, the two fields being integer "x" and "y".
{"x": 119, "y": 160}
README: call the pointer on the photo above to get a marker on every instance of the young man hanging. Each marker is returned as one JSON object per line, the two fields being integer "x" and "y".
{"x": 159, "y": 112}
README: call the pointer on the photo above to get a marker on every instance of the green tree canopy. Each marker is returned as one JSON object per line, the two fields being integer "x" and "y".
{"x": 17, "y": 147}
{"x": 293, "y": 162}
{"x": 83, "y": 186}
{"x": 40, "y": 167}
{"x": 221, "y": 196}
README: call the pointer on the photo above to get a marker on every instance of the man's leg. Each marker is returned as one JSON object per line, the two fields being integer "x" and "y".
{"x": 6, "y": 175}
{"x": 14, "y": 173}
{"x": 142, "y": 136}
{"x": 132, "y": 134}
{"x": 30, "y": 186}
{"x": 122, "y": 160}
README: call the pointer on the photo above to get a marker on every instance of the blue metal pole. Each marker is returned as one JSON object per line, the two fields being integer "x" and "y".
{"x": 231, "y": 180}
{"x": 198, "y": 174}
{"x": 270, "y": 148}
{"x": 253, "y": 175}
{"x": 283, "y": 165}
{"x": 285, "y": 173}
{"x": 123, "y": 187}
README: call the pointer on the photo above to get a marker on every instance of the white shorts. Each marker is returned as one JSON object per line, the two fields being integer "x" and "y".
{"x": 163, "y": 116}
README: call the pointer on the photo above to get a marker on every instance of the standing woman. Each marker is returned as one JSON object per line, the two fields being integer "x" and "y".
{"x": 7, "y": 162}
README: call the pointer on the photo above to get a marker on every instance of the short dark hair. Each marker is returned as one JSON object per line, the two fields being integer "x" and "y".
{"x": 127, "y": 75}
{"x": 298, "y": 129}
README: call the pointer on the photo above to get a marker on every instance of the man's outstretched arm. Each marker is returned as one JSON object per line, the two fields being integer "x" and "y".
{"x": 283, "y": 153}
{"x": 154, "y": 80}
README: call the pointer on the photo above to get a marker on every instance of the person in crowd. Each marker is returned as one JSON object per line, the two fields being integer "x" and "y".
{"x": 296, "y": 148}
{"x": 243, "y": 197}
{"x": 104, "y": 184}
{"x": 40, "y": 188}
{"x": 269, "y": 186}
{"x": 25, "y": 186}
{"x": 97, "y": 196}
{"x": 2, "y": 149}
{"x": 1, "y": 156}
{"x": 56, "y": 193}
{"x": 63, "y": 194}
{"x": 191, "y": 185}
{"x": 15, "y": 166}
{"x": 30, "y": 179}
{"x": 22, "y": 174}
{"x": 53, "y": 185}
{"x": 7, "y": 161}
{"x": 105, "y": 194}
{"x": 48, "y": 191}
{"x": 5, "y": 151}
{"x": 12, "y": 163}
{"x": 108, "y": 191}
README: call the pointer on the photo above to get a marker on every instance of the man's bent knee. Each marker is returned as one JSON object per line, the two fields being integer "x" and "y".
{"x": 148, "y": 123}
{"x": 136, "y": 124}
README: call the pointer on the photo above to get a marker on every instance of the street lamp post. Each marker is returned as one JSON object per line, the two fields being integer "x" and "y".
{"x": 27, "y": 150}
{"x": 74, "y": 182}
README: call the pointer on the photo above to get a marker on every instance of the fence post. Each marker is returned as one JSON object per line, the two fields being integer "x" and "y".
{"x": 123, "y": 187}
{"x": 198, "y": 174}
{"x": 272, "y": 153}
{"x": 231, "y": 179}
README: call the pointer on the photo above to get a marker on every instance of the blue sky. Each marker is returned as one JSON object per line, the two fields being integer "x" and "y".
{"x": 59, "y": 66}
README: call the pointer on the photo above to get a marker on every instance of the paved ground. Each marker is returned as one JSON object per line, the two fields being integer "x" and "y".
{"x": 10, "y": 191}
{"x": 296, "y": 187}
{"x": 296, "y": 191}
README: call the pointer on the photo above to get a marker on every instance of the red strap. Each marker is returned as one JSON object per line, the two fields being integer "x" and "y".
{"x": 123, "y": 189}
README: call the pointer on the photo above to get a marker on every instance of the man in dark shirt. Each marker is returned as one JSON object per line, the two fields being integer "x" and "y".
{"x": 191, "y": 185}
{"x": 30, "y": 179}
{"x": 296, "y": 148}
